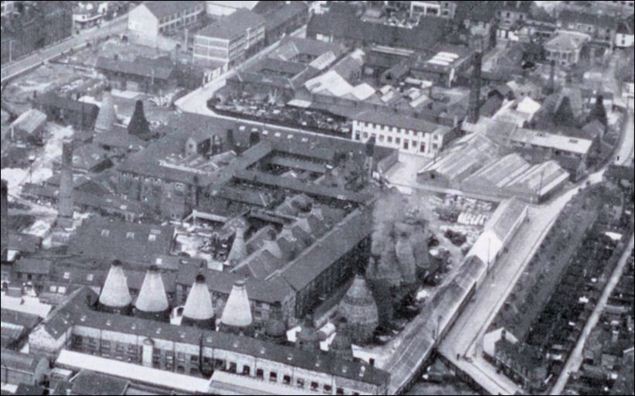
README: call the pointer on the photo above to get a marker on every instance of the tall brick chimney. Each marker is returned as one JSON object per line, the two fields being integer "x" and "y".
{"x": 5, "y": 221}
{"x": 65, "y": 199}
{"x": 475, "y": 89}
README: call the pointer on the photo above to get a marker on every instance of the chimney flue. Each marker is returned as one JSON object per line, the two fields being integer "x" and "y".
{"x": 5, "y": 221}
{"x": 475, "y": 90}
{"x": 65, "y": 203}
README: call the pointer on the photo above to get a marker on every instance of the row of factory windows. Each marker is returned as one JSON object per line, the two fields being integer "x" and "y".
{"x": 191, "y": 365}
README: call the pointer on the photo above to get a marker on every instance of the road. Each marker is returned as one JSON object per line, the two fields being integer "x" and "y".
{"x": 116, "y": 26}
{"x": 491, "y": 296}
{"x": 575, "y": 359}
{"x": 196, "y": 101}
{"x": 624, "y": 154}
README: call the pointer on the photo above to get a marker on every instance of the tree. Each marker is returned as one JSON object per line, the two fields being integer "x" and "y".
{"x": 564, "y": 114}
{"x": 139, "y": 125}
{"x": 598, "y": 112}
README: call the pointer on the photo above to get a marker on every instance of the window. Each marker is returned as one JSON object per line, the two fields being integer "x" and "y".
{"x": 67, "y": 275}
{"x": 339, "y": 391}
{"x": 314, "y": 386}
{"x": 273, "y": 376}
{"x": 61, "y": 289}
{"x": 259, "y": 373}
{"x": 300, "y": 383}
{"x": 152, "y": 238}
{"x": 105, "y": 233}
{"x": 327, "y": 388}
{"x": 286, "y": 380}
{"x": 130, "y": 235}
{"x": 246, "y": 370}
{"x": 53, "y": 289}
{"x": 89, "y": 277}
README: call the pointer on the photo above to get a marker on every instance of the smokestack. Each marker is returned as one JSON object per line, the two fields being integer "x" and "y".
{"x": 475, "y": 90}
{"x": 370, "y": 156}
{"x": 198, "y": 310}
{"x": 406, "y": 258}
{"x": 4, "y": 250}
{"x": 217, "y": 145}
{"x": 236, "y": 317}
{"x": 342, "y": 345}
{"x": 115, "y": 296}
{"x": 65, "y": 199}
{"x": 308, "y": 338}
{"x": 152, "y": 302}
{"x": 107, "y": 116}
{"x": 552, "y": 77}
{"x": 275, "y": 328}
{"x": 238, "y": 251}
{"x": 254, "y": 139}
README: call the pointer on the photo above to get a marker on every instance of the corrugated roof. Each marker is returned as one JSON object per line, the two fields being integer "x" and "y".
{"x": 30, "y": 121}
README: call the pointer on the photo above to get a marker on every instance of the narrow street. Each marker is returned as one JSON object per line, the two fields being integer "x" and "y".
{"x": 625, "y": 152}
{"x": 575, "y": 359}
{"x": 116, "y": 26}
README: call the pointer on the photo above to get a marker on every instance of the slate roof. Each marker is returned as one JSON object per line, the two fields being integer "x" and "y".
{"x": 18, "y": 318}
{"x": 626, "y": 26}
{"x": 399, "y": 121}
{"x": 30, "y": 121}
{"x": 92, "y": 383}
{"x": 271, "y": 291}
{"x": 33, "y": 266}
{"x": 321, "y": 362}
{"x": 328, "y": 249}
{"x": 574, "y": 16}
{"x": 18, "y": 361}
{"x": 61, "y": 102}
{"x": 101, "y": 238}
{"x": 234, "y": 25}
{"x": 482, "y": 11}
{"x": 342, "y": 23}
{"x": 90, "y": 156}
{"x": 162, "y": 9}
{"x": 279, "y": 16}
{"x": 146, "y": 67}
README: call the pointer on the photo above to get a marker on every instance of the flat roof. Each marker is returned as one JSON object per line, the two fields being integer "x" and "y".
{"x": 233, "y": 25}
{"x": 550, "y": 140}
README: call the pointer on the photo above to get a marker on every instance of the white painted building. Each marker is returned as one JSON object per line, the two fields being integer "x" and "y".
{"x": 151, "y": 19}
{"x": 408, "y": 134}
{"x": 624, "y": 35}
{"x": 230, "y": 39}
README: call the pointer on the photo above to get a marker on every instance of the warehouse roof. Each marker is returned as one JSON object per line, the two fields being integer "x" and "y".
{"x": 234, "y": 25}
